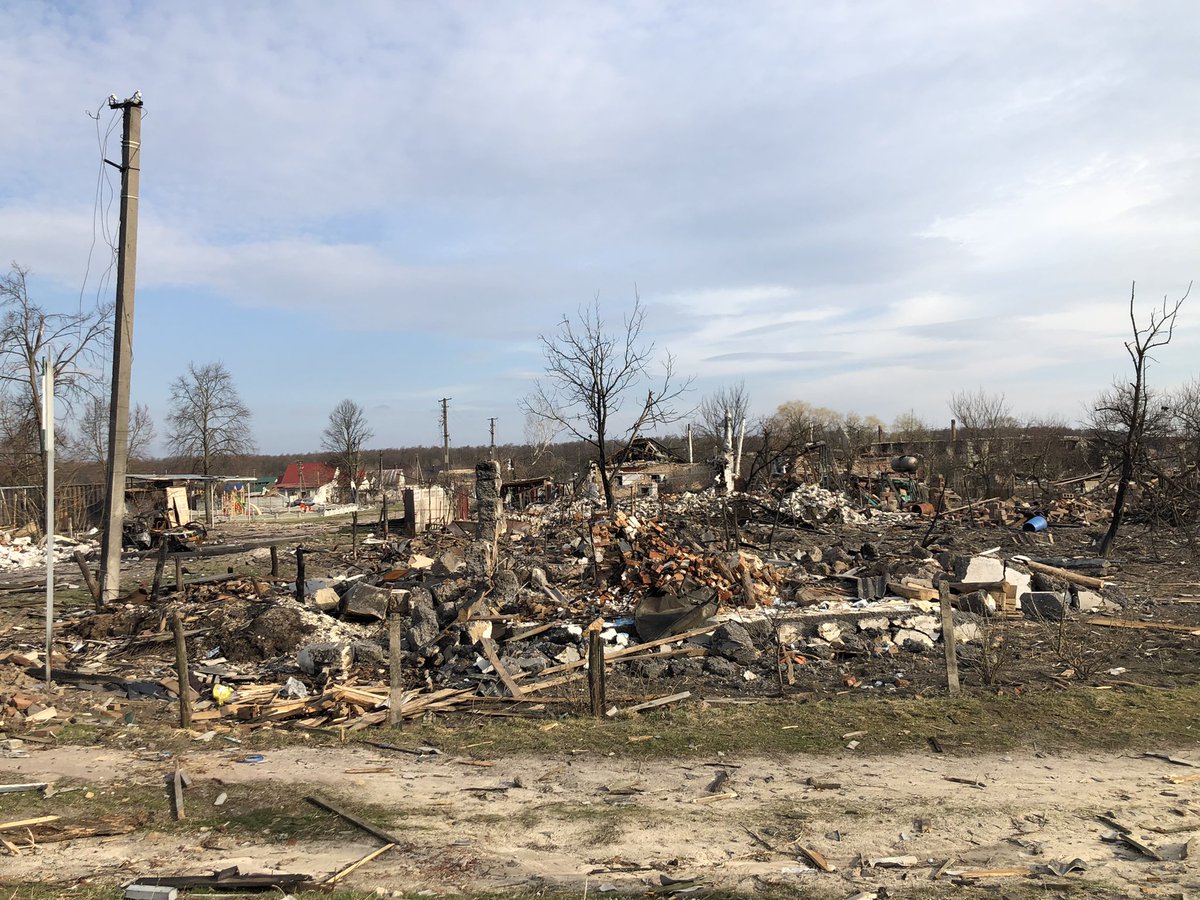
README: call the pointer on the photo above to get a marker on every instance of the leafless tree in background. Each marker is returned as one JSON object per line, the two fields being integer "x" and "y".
{"x": 986, "y": 420}
{"x": 732, "y": 401}
{"x": 28, "y": 334}
{"x": 344, "y": 437}
{"x": 591, "y": 372}
{"x": 909, "y": 427}
{"x": 91, "y": 442}
{"x": 1124, "y": 413}
{"x": 541, "y": 428}
{"x": 208, "y": 420}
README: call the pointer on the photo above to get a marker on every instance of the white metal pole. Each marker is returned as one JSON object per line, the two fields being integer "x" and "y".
{"x": 48, "y": 432}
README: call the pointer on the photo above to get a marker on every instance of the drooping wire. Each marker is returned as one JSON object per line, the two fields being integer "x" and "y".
{"x": 101, "y": 215}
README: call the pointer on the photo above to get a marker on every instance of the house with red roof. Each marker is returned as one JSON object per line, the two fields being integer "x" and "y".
{"x": 314, "y": 482}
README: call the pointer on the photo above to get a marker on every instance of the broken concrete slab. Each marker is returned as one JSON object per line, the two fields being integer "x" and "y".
{"x": 365, "y": 601}
{"x": 1046, "y": 606}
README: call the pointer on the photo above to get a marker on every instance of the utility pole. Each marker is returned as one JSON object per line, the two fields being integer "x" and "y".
{"x": 122, "y": 363}
{"x": 48, "y": 375}
{"x": 492, "y": 425}
{"x": 446, "y": 433}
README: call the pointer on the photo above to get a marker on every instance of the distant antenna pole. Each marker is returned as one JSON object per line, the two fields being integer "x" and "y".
{"x": 492, "y": 424}
{"x": 446, "y": 433}
{"x": 122, "y": 361}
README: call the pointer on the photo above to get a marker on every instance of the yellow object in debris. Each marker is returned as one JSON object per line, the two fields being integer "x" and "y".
{"x": 222, "y": 693}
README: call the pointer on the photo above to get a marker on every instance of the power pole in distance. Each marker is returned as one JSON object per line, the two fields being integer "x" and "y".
{"x": 492, "y": 425}
{"x": 122, "y": 362}
{"x": 446, "y": 433}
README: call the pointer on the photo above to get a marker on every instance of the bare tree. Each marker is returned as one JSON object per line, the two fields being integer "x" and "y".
{"x": 591, "y": 372}
{"x": 732, "y": 401}
{"x": 909, "y": 427}
{"x": 344, "y": 437}
{"x": 1127, "y": 407}
{"x": 208, "y": 420}
{"x": 987, "y": 422}
{"x": 29, "y": 334}
{"x": 91, "y": 442}
{"x": 541, "y": 429}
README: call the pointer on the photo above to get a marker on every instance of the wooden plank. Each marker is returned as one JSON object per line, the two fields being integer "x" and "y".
{"x": 661, "y": 701}
{"x": 489, "y": 650}
{"x": 354, "y": 820}
{"x": 948, "y": 639}
{"x": 342, "y": 873}
{"x": 25, "y": 823}
{"x": 1109, "y": 622}
{"x": 1087, "y": 581}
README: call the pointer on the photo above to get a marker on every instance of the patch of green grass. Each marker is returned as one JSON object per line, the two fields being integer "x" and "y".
{"x": 1077, "y": 719}
{"x": 250, "y": 808}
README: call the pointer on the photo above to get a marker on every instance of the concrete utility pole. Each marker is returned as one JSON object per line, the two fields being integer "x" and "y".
{"x": 492, "y": 424}
{"x": 118, "y": 409}
{"x": 446, "y": 433}
{"x": 48, "y": 375}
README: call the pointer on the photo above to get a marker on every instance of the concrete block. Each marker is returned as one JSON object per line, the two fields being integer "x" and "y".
{"x": 365, "y": 601}
{"x": 981, "y": 603}
{"x": 325, "y": 599}
{"x": 1047, "y": 606}
{"x": 915, "y": 641}
{"x": 150, "y": 892}
{"x": 316, "y": 658}
{"x": 978, "y": 569}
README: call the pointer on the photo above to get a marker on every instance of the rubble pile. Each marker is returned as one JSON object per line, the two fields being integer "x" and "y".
{"x": 24, "y": 551}
{"x": 668, "y": 588}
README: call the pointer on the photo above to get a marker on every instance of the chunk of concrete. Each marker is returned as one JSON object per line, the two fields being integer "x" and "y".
{"x": 332, "y": 657}
{"x": 449, "y": 563}
{"x": 420, "y": 562}
{"x": 1045, "y": 606}
{"x": 424, "y": 629}
{"x": 830, "y": 631}
{"x": 365, "y": 601}
{"x": 325, "y": 599}
{"x": 875, "y": 624}
{"x": 980, "y": 603}
{"x": 978, "y": 569}
{"x": 916, "y": 641}
{"x": 733, "y": 642}
{"x": 1090, "y": 602}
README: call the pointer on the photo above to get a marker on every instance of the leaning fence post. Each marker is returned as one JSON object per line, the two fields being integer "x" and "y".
{"x": 89, "y": 579}
{"x": 181, "y": 671}
{"x": 159, "y": 567}
{"x": 274, "y": 561}
{"x": 948, "y": 638}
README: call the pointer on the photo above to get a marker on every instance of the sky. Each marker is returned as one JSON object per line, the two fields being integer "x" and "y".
{"x": 866, "y": 206}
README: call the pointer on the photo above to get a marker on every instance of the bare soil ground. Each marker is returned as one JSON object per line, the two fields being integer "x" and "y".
{"x": 525, "y": 823}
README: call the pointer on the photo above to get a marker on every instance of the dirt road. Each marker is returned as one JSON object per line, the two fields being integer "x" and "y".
{"x": 524, "y": 822}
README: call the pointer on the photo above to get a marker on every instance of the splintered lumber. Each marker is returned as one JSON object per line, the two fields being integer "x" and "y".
{"x": 177, "y": 790}
{"x": 1087, "y": 581}
{"x": 814, "y": 857}
{"x": 26, "y": 823}
{"x": 18, "y": 788}
{"x": 234, "y": 880}
{"x": 661, "y": 701}
{"x": 912, "y": 591}
{"x": 489, "y": 650}
{"x": 1109, "y": 622}
{"x": 342, "y": 873}
{"x": 976, "y": 874}
{"x": 354, "y": 820}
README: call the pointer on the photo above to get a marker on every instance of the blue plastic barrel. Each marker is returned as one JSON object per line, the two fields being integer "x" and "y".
{"x": 1037, "y": 523}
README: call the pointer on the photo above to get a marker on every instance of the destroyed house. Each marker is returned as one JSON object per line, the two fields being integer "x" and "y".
{"x": 315, "y": 482}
